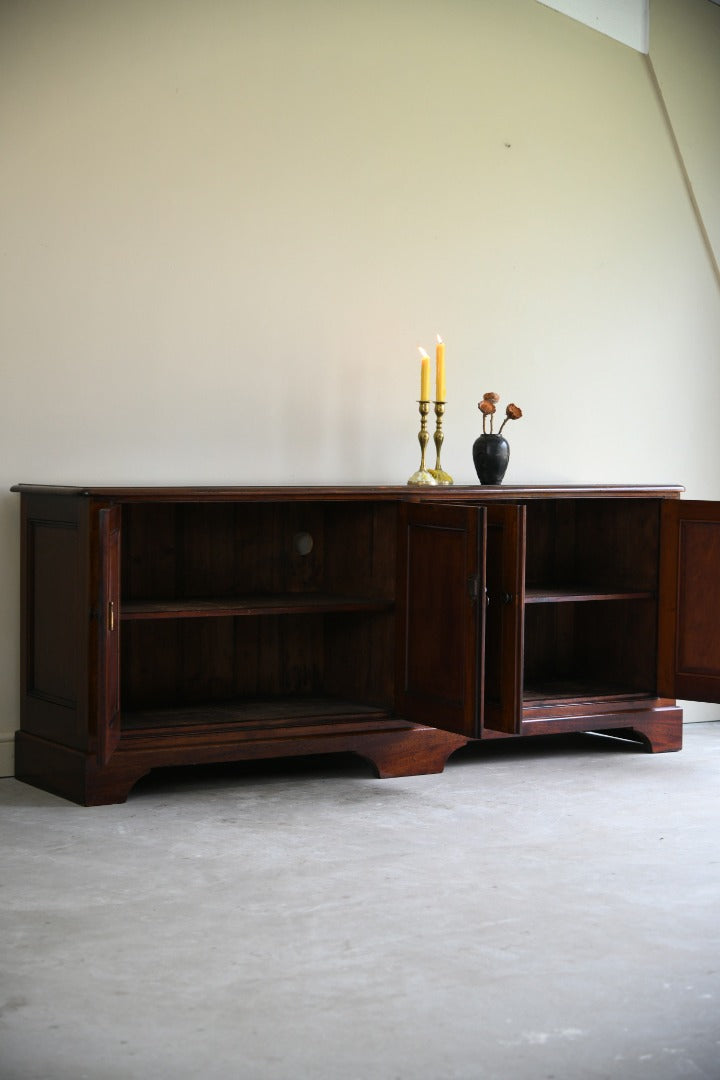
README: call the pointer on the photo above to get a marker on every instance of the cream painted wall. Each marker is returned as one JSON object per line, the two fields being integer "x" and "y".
{"x": 685, "y": 56}
{"x": 227, "y": 225}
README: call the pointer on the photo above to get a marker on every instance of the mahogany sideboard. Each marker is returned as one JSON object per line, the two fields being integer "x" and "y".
{"x": 167, "y": 626}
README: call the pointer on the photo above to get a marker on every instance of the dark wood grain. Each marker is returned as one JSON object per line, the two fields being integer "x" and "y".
{"x": 55, "y": 619}
{"x": 689, "y": 630}
{"x": 310, "y": 493}
{"x": 395, "y": 748}
{"x": 440, "y": 613}
{"x": 253, "y": 713}
{"x": 108, "y": 720}
{"x": 602, "y": 545}
{"x": 293, "y": 603}
{"x": 657, "y": 726}
{"x": 590, "y": 646}
{"x": 169, "y": 626}
{"x": 505, "y": 617}
{"x": 577, "y": 594}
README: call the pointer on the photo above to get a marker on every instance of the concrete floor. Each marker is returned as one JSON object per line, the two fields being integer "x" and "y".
{"x": 548, "y": 911}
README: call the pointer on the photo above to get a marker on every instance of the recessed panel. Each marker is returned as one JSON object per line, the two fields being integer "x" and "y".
{"x": 54, "y": 605}
{"x": 437, "y": 560}
{"x": 699, "y": 598}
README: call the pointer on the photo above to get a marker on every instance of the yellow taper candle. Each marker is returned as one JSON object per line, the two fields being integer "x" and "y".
{"x": 440, "y": 370}
{"x": 424, "y": 375}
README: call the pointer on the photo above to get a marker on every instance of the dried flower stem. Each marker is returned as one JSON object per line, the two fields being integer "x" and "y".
{"x": 488, "y": 407}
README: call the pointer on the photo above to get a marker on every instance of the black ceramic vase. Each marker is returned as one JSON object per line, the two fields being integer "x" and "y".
{"x": 491, "y": 454}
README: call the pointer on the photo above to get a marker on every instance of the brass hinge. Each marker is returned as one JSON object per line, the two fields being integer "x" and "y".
{"x": 474, "y": 586}
{"x": 111, "y": 616}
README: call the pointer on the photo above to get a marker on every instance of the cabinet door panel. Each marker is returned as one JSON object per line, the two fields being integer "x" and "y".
{"x": 440, "y": 615}
{"x": 689, "y": 611}
{"x": 505, "y": 573}
{"x": 55, "y": 620}
{"x": 108, "y": 705}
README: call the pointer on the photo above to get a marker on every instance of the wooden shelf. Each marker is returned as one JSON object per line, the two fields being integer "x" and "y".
{"x": 581, "y": 690}
{"x": 578, "y": 594}
{"x": 259, "y": 714}
{"x": 290, "y": 604}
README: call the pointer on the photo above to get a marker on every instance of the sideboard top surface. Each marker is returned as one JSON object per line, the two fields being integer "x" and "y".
{"x": 458, "y": 493}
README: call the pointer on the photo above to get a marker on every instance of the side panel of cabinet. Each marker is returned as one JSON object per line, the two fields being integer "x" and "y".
{"x": 108, "y": 634}
{"x": 55, "y": 614}
{"x": 689, "y": 616}
{"x": 440, "y": 616}
{"x": 504, "y": 618}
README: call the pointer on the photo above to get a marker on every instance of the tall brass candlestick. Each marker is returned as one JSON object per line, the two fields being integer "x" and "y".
{"x": 423, "y": 476}
{"x": 441, "y": 477}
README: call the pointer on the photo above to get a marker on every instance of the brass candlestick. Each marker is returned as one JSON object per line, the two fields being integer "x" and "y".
{"x": 441, "y": 477}
{"x": 423, "y": 476}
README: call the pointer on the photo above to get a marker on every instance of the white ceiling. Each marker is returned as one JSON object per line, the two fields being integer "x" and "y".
{"x": 625, "y": 20}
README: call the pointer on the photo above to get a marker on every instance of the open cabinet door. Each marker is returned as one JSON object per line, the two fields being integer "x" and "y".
{"x": 689, "y": 603}
{"x": 108, "y": 704}
{"x": 505, "y": 618}
{"x": 440, "y": 615}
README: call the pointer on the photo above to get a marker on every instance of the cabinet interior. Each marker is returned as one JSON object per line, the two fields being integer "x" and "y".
{"x": 250, "y": 610}
{"x": 591, "y": 599}
{"x": 247, "y": 611}
{"x": 595, "y": 544}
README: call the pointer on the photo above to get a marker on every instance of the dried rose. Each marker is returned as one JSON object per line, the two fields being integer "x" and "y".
{"x": 512, "y": 412}
{"x": 487, "y": 408}
{"x": 494, "y": 398}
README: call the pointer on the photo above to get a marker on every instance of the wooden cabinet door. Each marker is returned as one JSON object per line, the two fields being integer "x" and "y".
{"x": 441, "y": 610}
{"x": 55, "y": 620}
{"x": 505, "y": 617}
{"x": 108, "y": 698}
{"x": 689, "y": 601}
